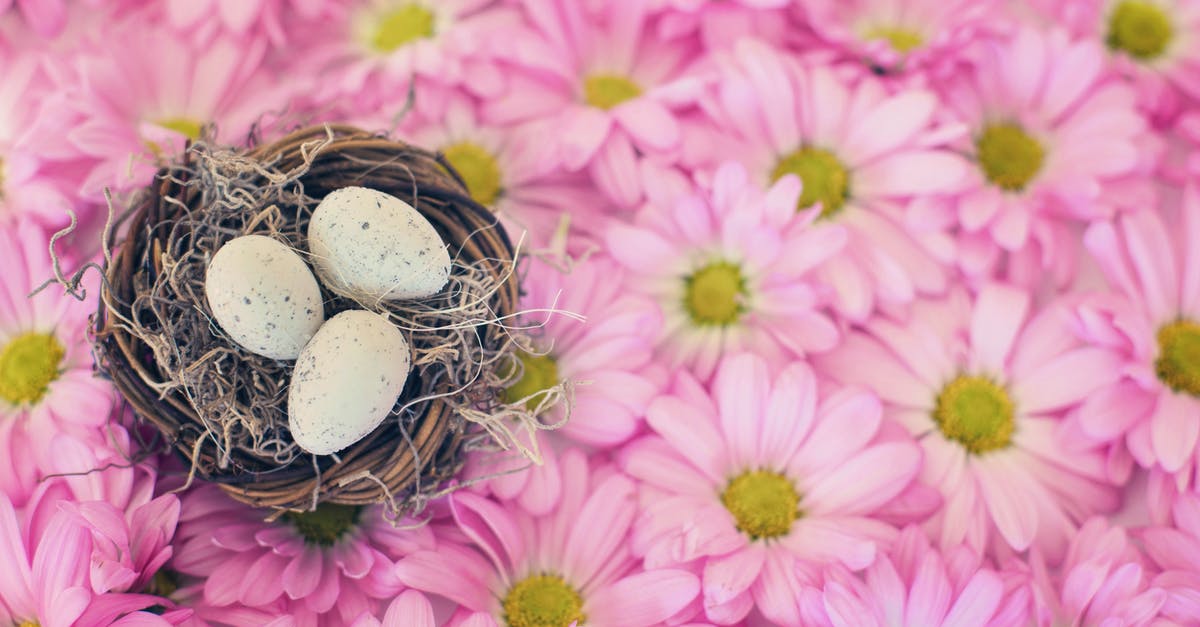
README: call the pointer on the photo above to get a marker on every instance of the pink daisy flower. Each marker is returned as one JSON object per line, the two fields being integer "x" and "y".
{"x": 48, "y": 580}
{"x": 47, "y": 386}
{"x": 569, "y": 565}
{"x": 1174, "y": 549}
{"x": 984, "y": 388}
{"x": 128, "y": 549}
{"x": 33, "y": 183}
{"x": 1102, "y": 581}
{"x": 1153, "y": 42}
{"x": 142, "y": 100}
{"x": 511, "y": 169}
{"x": 915, "y": 586}
{"x": 902, "y": 35}
{"x": 608, "y": 90}
{"x": 1054, "y": 138}
{"x": 730, "y": 269}
{"x": 325, "y": 566}
{"x": 1151, "y": 261}
{"x": 375, "y": 49}
{"x": 758, "y": 481}
{"x": 861, "y": 154}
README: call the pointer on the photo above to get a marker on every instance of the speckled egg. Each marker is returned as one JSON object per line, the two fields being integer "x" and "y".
{"x": 371, "y": 246}
{"x": 263, "y": 296}
{"x": 346, "y": 381}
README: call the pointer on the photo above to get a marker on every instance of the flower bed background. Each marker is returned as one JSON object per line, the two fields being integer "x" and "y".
{"x": 893, "y": 310}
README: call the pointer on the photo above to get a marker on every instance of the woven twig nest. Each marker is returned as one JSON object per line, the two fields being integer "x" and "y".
{"x": 224, "y": 408}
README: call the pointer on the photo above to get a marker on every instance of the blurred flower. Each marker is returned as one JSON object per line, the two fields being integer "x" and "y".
{"x": 1174, "y": 548}
{"x": 984, "y": 388}
{"x": 730, "y": 269}
{"x": 1151, "y": 261}
{"x": 328, "y": 565}
{"x": 758, "y": 483}
{"x": 915, "y": 586}
{"x": 571, "y": 564}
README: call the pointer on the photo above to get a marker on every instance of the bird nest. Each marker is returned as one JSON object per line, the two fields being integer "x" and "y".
{"x": 224, "y": 408}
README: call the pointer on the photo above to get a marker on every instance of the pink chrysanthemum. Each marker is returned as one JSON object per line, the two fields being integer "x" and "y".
{"x": 1154, "y": 263}
{"x": 1154, "y": 42}
{"x": 607, "y": 90}
{"x": 326, "y": 566}
{"x": 731, "y": 270}
{"x": 1174, "y": 549}
{"x": 861, "y": 153}
{"x": 1054, "y": 138}
{"x": 1102, "y": 581}
{"x": 571, "y": 564}
{"x": 915, "y": 586}
{"x": 984, "y": 389}
{"x": 511, "y": 169}
{"x": 760, "y": 481}
{"x": 907, "y": 36}
{"x": 47, "y": 386}
{"x": 48, "y": 576}
{"x": 372, "y": 51}
{"x": 141, "y": 101}
{"x": 31, "y": 184}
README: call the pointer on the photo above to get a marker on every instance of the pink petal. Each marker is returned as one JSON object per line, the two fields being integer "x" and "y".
{"x": 998, "y": 314}
{"x": 831, "y": 540}
{"x": 731, "y": 575}
{"x": 1174, "y": 429}
{"x": 889, "y": 124}
{"x": 47, "y": 17}
{"x": 600, "y": 530}
{"x": 643, "y": 599}
{"x": 866, "y": 481}
{"x": 977, "y": 602}
{"x": 583, "y": 130}
{"x": 789, "y": 414}
{"x": 450, "y": 572}
{"x": 740, "y": 389}
{"x": 1013, "y": 512}
{"x": 16, "y": 575}
{"x": 1066, "y": 379}
{"x": 302, "y": 574}
{"x": 649, "y": 122}
{"x": 490, "y": 526}
{"x": 640, "y": 248}
{"x": 690, "y": 431}
{"x": 410, "y": 609}
{"x": 930, "y": 594}
{"x": 909, "y": 173}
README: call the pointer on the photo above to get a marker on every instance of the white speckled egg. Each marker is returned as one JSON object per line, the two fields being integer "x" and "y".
{"x": 371, "y": 246}
{"x": 346, "y": 381}
{"x": 264, "y": 296}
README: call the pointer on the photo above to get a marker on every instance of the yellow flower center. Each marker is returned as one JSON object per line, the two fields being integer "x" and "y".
{"x": 606, "y": 91}
{"x": 824, "y": 177}
{"x": 715, "y": 294}
{"x": 1009, "y": 157}
{"x": 975, "y": 412}
{"x": 402, "y": 25}
{"x": 28, "y": 364}
{"x": 902, "y": 40}
{"x": 543, "y": 601}
{"x": 763, "y": 503}
{"x": 538, "y": 374}
{"x": 325, "y": 525}
{"x": 1141, "y": 29}
{"x": 29, "y": 623}
{"x": 478, "y": 169}
{"x": 1178, "y": 363}
{"x": 188, "y": 127}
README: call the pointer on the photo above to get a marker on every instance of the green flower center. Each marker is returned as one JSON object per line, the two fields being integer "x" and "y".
{"x": 764, "y": 503}
{"x": 164, "y": 583}
{"x": 28, "y": 364}
{"x": 1141, "y": 29}
{"x": 1178, "y": 363}
{"x": 902, "y": 40}
{"x": 478, "y": 169}
{"x": 1009, "y": 157}
{"x": 824, "y": 177}
{"x": 403, "y": 25}
{"x": 325, "y": 525}
{"x": 975, "y": 412}
{"x": 715, "y": 294}
{"x": 543, "y": 601}
{"x": 188, "y": 127}
{"x": 606, "y": 91}
{"x": 538, "y": 374}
